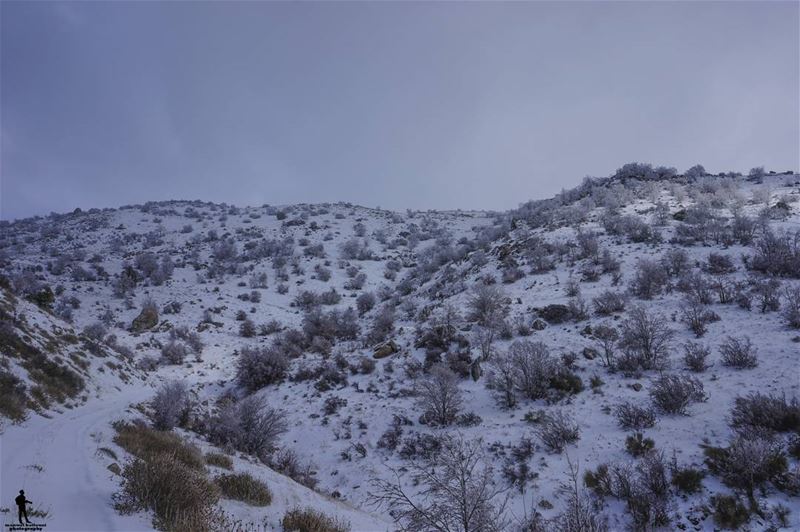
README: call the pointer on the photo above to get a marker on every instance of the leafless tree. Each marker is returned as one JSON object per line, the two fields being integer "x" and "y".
{"x": 579, "y": 515}
{"x": 487, "y": 305}
{"x": 534, "y": 367}
{"x": 440, "y": 396}
{"x": 457, "y": 492}
{"x": 606, "y": 338}
{"x": 501, "y": 379}
{"x": 644, "y": 339}
{"x": 170, "y": 404}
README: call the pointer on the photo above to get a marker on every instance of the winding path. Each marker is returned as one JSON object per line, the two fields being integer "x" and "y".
{"x": 56, "y": 462}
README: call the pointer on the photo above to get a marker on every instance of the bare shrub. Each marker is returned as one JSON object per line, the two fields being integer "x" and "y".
{"x": 695, "y": 355}
{"x": 502, "y": 381}
{"x": 13, "y": 399}
{"x": 634, "y": 417}
{"x": 556, "y": 430}
{"x": 767, "y": 292}
{"x": 609, "y": 302}
{"x": 606, "y": 338}
{"x": 365, "y": 302}
{"x": 644, "y": 339}
{"x": 487, "y": 305}
{"x": 738, "y": 353}
{"x": 777, "y": 255}
{"x": 718, "y": 263}
{"x": 673, "y": 393}
{"x": 534, "y": 365}
{"x": 579, "y": 515}
{"x": 457, "y": 491}
{"x": 791, "y": 307}
{"x": 766, "y": 412}
{"x": 644, "y": 489}
{"x": 675, "y": 262}
{"x": 249, "y": 426}
{"x": 697, "y": 316}
{"x": 440, "y": 397}
{"x": 649, "y": 279}
{"x": 247, "y": 329}
{"x": 173, "y": 352}
{"x": 747, "y": 463}
{"x": 170, "y": 405}
{"x": 258, "y": 367}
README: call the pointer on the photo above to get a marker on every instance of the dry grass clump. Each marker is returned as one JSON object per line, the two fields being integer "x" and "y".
{"x": 244, "y": 487}
{"x": 310, "y": 520}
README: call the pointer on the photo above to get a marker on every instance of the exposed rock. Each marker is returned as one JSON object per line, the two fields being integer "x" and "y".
{"x": 147, "y": 319}
{"x": 384, "y": 350}
{"x": 539, "y": 325}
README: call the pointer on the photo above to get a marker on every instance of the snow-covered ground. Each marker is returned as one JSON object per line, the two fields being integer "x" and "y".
{"x": 420, "y": 262}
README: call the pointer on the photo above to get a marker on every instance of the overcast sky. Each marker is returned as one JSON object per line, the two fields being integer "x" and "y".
{"x": 420, "y": 105}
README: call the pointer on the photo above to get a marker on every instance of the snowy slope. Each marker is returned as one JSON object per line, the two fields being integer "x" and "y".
{"x": 418, "y": 263}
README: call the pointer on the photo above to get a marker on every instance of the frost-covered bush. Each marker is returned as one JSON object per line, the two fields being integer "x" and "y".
{"x": 533, "y": 367}
{"x": 767, "y": 292}
{"x": 696, "y": 286}
{"x": 696, "y": 315}
{"x": 486, "y": 305}
{"x": 606, "y": 338}
{"x": 356, "y": 282}
{"x": 718, "y": 264}
{"x": 673, "y": 393}
{"x": 257, "y": 367}
{"x": 609, "y": 302}
{"x": 382, "y": 326}
{"x": 649, "y": 279}
{"x": 644, "y": 489}
{"x": 675, "y": 261}
{"x": 791, "y": 307}
{"x": 440, "y": 397}
{"x": 557, "y": 430}
{"x": 331, "y": 297}
{"x": 695, "y": 355}
{"x": 95, "y": 331}
{"x": 758, "y": 411}
{"x": 738, "y": 352}
{"x": 249, "y": 426}
{"x": 747, "y": 463}
{"x": 457, "y": 490}
{"x": 323, "y": 273}
{"x": 777, "y": 254}
{"x": 173, "y": 352}
{"x": 695, "y": 172}
{"x": 258, "y": 280}
{"x": 170, "y": 405}
{"x": 247, "y": 329}
{"x": 645, "y": 341}
{"x": 365, "y": 302}
{"x": 631, "y": 416}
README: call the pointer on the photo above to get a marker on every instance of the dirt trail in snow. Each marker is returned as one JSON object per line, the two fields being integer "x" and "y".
{"x": 73, "y": 485}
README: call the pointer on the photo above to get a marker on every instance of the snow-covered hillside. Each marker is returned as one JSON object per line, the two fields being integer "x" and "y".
{"x": 383, "y": 348}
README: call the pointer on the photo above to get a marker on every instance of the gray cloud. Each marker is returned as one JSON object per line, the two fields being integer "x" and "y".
{"x": 421, "y": 105}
